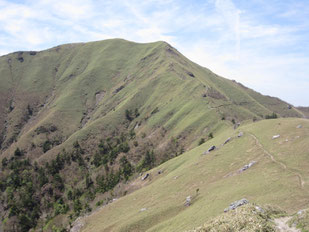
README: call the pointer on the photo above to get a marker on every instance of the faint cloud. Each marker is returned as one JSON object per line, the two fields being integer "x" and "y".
{"x": 231, "y": 15}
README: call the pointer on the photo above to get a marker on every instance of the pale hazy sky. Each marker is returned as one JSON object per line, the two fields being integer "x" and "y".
{"x": 263, "y": 44}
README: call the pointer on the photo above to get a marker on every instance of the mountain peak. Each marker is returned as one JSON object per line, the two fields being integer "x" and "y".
{"x": 82, "y": 118}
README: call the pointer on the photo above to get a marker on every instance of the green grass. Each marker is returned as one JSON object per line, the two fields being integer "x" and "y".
{"x": 66, "y": 78}
{"x": 60, "y": 85}
{"x": 267, "y": 182}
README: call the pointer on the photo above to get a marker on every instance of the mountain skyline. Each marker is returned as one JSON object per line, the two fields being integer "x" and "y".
{"x": 80, "y": 122}
{"x": 260, "y": 44}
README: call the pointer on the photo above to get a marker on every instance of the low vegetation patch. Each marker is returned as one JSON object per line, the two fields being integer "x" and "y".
{"x": 249, "y": 218}
{"x": 300, "y": 220}
{"x": 271, "y": 116}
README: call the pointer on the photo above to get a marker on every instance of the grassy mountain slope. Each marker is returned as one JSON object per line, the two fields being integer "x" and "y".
{"x": 89, "y": 87}
{"x": 280, "y": 177}
{"x": 77, "y": 119}
{"x": 304, "y": 110}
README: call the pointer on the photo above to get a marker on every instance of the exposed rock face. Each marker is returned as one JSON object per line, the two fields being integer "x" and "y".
{"x": 188, "y": 201}
{"x": 77, "y": 225}
{"x": 118, "y": 89}
{"x": 247, "y": 166}
{"x": 276, "y": 136}
{"x": 209, "y": 150}
{"x": 236, "y": 204}
{"x": 226, "y": 141}
{"x": 145, "y": 177}
{"x": 190, "y": 74}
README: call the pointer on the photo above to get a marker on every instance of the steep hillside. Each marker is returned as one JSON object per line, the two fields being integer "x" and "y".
{"x": 90, "y": 86}
{"x": 79, "y": 119}
{"x": 278, "y": 177}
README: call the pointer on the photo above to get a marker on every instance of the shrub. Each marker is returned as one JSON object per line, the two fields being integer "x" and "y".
{"x": 70, "y": 195}
{"x": 58, "y": 182}
{"x": 147, "y": 162}
{"x": 136, "y": 113}
{"x": 4, "y": 162}
{"x": 77, "y": 207}
{"x": 46, "y": 146}
{"x": 60, "y": 207}
{"x": 128, "y": 115}
{"x": 30, "y": 111}
{"x": 272, "y": 116}
{"x": 88, "y": 182}
{"x": 76, "y": 144}
{"x": 124, "y": 147}
{"x": 99, "y": 203}
{"x": 202, "y": 140}
{"x": 126, "y": 168}
{"x": 156, "y": 110}
{"x": 18, "y": 152}
{"x": 132, "y": 134}
{"x": 42, "y": 177}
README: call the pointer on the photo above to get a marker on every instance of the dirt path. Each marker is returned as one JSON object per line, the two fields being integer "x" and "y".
{"x": 257, "y": 142}
{"x": 282, "y": 225}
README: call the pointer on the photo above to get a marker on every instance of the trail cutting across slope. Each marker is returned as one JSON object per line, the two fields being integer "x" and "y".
{"x": 257, "y": 142}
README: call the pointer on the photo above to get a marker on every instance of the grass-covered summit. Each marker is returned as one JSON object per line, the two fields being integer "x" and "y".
{"x": 78, "y": 90}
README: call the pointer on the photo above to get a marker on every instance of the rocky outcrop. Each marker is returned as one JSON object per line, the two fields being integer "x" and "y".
{"x": 236, "y": 204}
{"x": 209, "y": 150}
